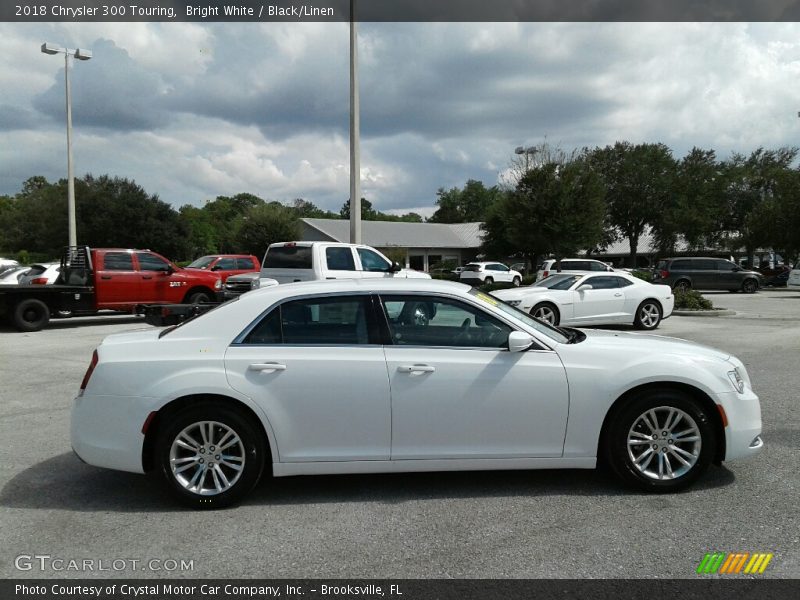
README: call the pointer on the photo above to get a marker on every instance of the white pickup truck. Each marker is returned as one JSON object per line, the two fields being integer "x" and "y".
{"x": 287, "y": 262}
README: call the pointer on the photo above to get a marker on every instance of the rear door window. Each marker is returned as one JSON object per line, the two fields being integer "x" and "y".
{"x": 245, "y": 263}
{"x": 288, "y": 257}
{"x": 340, "y": 258}
{"x": 118, "y": 261}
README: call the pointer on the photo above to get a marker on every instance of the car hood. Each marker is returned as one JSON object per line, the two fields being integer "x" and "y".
{"x": 245, "y": 276}
{"x": 649, "y": 344}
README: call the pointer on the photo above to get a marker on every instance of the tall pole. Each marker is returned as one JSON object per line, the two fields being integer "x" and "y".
{"x": 73, "y": 236}
{"x": 355, "y": 153}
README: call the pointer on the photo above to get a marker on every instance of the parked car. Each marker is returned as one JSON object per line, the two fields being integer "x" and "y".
{"x": 41, "y": 274}
{"x": 480, "y": 386}
{"x": 794, "y": 278}
{"x": 571, "y": 265}
{"x": 226, "y": 265}
{"x": 775, "y": 276}
{"x": 478, "y": 273}
{"x": 706, "y": 274}
{"x": 593, "y": 299}
{"x": 290, "y": 262}
{"x": 13, "y": 275}
{"x": 6, "y": 264}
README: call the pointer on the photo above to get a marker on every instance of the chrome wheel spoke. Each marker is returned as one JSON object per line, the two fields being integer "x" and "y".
{"x": 186, "y": 441}
{"x": 680, "y": 459}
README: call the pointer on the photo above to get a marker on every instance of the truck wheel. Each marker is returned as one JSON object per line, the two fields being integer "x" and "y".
{"x": 31, "y": 315}
{"x": 199, "y": 298}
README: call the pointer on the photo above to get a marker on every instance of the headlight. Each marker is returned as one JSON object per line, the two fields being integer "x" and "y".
{"x": 255, "y": 284}
{"x": 513, "y": 302}
{"x": 218, "y": 284}
{"x": 736, "y": 380}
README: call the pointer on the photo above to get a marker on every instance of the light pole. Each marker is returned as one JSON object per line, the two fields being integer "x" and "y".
{"x": 527, "y": 152}
{"x": 355, "y": 153}
{"x": 80, "y": 54}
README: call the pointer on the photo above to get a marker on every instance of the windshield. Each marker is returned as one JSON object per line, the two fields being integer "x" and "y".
{"x": 201, "y": 263}
{"x": 540, "y": 326}
{"x": 558, "y": 282}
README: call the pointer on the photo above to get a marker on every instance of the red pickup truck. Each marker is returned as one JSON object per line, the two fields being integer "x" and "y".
{"x": 107, "y": 278}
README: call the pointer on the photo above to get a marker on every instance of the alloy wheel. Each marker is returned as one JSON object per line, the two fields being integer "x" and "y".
{"x": 649, "y": 315}
{"x": 545, "y": 313}
{"x": 207, "y": 458}
{"x": 664, "y": 443}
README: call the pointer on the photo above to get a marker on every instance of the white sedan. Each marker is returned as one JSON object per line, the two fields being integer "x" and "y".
{"x": 593, "y": 299}
{"x": 794, "y": 278}
{"x": 339, "y": 377}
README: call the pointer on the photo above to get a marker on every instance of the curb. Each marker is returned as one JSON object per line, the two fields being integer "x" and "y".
{"x": 723, "y": 312}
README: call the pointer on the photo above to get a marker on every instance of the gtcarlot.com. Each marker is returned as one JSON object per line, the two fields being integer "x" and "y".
{"x": 56, "y": 564}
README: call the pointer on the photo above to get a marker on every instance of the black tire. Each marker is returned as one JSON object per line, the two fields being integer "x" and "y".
{"x": 683, "y": 285}
{"x": 30, "y": 315}
{"x": 516, "y": 282}
{"x": 200, "y": 297}
{"x": 251, "y": 448}
{"x": 627, "y": 424}
{"x": 488, "y": 281}
{"x": 648, "y": 315}
{"x": 750, "y": 286}
{"x": 545, "y": 308}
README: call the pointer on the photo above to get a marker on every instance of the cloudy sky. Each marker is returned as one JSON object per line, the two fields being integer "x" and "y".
{"x": 194, "y": 110}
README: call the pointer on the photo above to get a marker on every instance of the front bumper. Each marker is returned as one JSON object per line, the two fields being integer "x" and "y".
{"x": 743, "y": 433}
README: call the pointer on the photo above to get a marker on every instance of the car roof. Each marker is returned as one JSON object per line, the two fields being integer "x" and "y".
{"x": 376, "y": 284}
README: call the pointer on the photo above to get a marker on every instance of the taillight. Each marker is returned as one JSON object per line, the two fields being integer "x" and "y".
{"x": 664, "y": 274}
{"x": 545, "y": 274}
{"x": 39, "y": 280}
{"x": 89, "y": 372}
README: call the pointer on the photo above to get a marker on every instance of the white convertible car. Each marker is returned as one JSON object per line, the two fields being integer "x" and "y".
{"x": 380, "y": 375}
{"x": 593, "y": 299}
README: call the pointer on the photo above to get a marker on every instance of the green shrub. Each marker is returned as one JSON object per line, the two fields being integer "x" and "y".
{"x": 643, "y": 274}
{"x": 691, "y": 300}
{"x": 445, "y": 276}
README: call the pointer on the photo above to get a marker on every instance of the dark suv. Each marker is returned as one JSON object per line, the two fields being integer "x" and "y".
{"x": 706, "y": 274}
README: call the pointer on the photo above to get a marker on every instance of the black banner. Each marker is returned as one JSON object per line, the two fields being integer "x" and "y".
{"x": 415, "y": 589}
{"x": 399, "y": 10}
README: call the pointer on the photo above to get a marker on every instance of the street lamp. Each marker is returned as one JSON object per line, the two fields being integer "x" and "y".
{"x": 80, "y": 54}
{"x": 527, "y": 152}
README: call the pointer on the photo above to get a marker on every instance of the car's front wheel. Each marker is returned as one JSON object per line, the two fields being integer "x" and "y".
{"x": 648, "y": 315}
{"x": 210, "y": 456}
{"x": 547, "y": 312}
{"x": 662, "y": 442}
{"x": 749, "y": 286}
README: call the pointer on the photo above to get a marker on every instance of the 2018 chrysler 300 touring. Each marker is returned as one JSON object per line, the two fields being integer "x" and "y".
{"x": 347, "y": 376}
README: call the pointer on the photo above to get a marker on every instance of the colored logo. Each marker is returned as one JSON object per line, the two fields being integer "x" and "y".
{"x": 733, "y": 563}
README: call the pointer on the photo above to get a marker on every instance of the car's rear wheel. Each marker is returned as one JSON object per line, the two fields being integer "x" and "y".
{"x": 682, "y": 285}
{"x": 547, "y": 312}
{"x": 488, "y": 281}
{"x": 749, "y": 286}
{"x": 516, "y": 281}
{"x": 648, "y": 315}
{"x": 662, "y": 442}
{"x": 210, "y": 456}
{"x": 30, "y": 315}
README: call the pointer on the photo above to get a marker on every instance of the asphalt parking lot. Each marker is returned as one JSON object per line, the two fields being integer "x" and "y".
{"x": 573, "y": 524}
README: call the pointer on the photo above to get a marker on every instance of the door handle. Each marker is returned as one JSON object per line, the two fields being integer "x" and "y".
{"x": 105, "y": 276}
{"x": 271, "y": 366}
{"x": 147, "y": 276}
{"x": 618, "y": 294}
{"x": 416, "y": 369}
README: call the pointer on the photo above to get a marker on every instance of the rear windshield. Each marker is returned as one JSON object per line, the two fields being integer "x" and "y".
{"x": 472, "y": 268}
{"x": 201, "y": 263}
{"x": 558, "y": 282}
{"x": 288, "y": 257}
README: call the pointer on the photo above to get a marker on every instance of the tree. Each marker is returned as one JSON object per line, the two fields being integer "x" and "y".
{"x": 554, "y": 208}
{"x": 465, "y": 206}
{"x": 638, "y": 181}
{"x": 367, "y": 212}
{"x": 305, "y": 209}
{"x": 264, "y": 225}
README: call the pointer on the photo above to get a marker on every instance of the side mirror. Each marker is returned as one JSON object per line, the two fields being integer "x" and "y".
{"x": 216, "y": 268}
{"x": 395, "y": 268}
{"x": 584, "y": 287}
{"x": 519, "y": 341}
